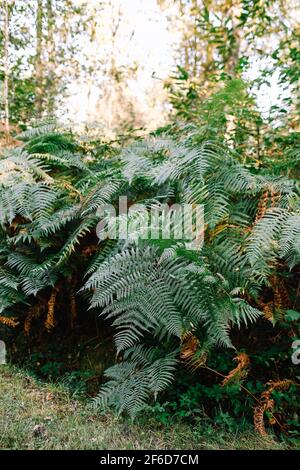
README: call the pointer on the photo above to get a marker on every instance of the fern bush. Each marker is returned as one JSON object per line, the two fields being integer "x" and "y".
{"x": 155, "y": 293}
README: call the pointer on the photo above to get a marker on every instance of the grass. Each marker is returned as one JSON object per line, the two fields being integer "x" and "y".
{"x": 34, "y": 415}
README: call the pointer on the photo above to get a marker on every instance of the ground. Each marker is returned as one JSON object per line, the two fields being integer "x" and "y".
{"x": 34, "y": 415}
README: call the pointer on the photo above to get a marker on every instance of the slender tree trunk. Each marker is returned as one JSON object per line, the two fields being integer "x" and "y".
{"x": 39, "y": 72}
{"x": 185, "y": 44}
{"x": 6, "y": 71}
{"x": 208, "y": 67}
{"x": 51, "y": 58}
{"x": 196, "y": 58}
{"x": 235, "y": 54}
{"x": 233, "y": 59}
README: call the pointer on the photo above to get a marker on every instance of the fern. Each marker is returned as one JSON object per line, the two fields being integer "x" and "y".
{"x": 153, "y": 292}
{"x": 131, "y": 384}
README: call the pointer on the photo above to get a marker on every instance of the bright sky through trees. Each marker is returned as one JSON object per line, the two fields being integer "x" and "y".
{"x": 106, "y": 63}
{"x": 144, "y": 38}
{"x": 143, "y": 41}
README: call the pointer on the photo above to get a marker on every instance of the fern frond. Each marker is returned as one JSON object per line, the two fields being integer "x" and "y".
{"x": 132, "y": 383}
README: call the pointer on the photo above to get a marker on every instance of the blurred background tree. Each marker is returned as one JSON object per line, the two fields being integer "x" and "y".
{"x": 108, "y": 64}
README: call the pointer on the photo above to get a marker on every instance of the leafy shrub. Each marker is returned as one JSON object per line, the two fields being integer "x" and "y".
{"x": 165, "y": 303}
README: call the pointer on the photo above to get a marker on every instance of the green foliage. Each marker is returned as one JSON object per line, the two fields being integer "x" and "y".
{"x": 141, "y": 375}
{"x": 21, "y": 97}
{"x": 202, "y": 396}
{"x": 152, "y": 293}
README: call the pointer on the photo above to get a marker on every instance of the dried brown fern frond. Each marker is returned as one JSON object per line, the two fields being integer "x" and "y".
{"x": 191, "y": 353}
{"x": 258, "y": 416}
{"x": 50, "y": 321}
{"x": 275, "y": 197}
{"x": 240, "y": 371}
{"x": 279, "y": 385}
{"x": 190, "y": 345}
{"x": 267, "y": 404}
{"x": 11, "y": 322}
{"x": 268, "y": 311}
{"x": 262, "y": 206}
{"x": 274, "y": 309}
{"x": 258, "y": 420}
{"x": 269, "y": 198}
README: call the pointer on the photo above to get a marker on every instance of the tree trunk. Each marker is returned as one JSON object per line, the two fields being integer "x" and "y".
{"x": 51, "y": 58}
{"x": 6, "y": 71}
{"x": 234, "y": 56}
{"x": 39, "y": 72}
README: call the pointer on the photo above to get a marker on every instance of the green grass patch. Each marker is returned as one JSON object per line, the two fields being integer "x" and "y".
{"x": 35, "y": 415}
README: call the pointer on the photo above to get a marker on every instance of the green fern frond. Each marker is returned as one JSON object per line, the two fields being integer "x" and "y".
{"x": 132, "y": 383}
